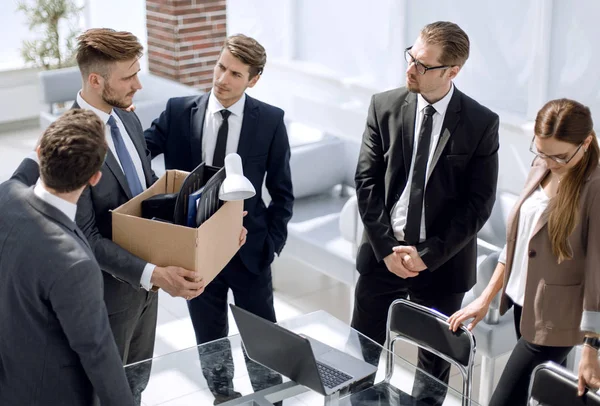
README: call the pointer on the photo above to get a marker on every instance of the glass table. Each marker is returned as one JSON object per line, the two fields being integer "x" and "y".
{"x": 219, "y": 372}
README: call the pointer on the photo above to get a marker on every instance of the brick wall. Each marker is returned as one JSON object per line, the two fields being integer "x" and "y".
{"x": 184, "y": 39}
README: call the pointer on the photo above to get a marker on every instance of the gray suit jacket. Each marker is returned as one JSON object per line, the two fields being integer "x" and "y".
{"x": 56, "y": 346}
{"x": 95, "y": 219}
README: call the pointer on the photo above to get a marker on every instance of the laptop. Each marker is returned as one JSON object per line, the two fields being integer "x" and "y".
{"x": 302, "y": 359}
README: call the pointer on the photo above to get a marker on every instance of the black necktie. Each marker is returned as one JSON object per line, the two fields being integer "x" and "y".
{"x": 219, "y": 156}
{"x": 412, "y": 231}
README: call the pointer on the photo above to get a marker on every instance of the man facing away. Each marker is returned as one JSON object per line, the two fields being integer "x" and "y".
{"x": 109, "y": 65}
{"x": 206, "y": 128}
{"x": 425, "y": 183}
{"x": 56, "y": 346}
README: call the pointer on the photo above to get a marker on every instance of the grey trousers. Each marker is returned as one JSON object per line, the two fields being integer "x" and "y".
{"x": 132, "y": 315}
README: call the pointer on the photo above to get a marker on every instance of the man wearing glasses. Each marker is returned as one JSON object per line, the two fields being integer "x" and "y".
{"x": 426, "y": 183}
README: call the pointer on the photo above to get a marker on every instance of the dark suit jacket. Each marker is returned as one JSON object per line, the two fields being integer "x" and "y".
{"x": 459, "y": 194}
{"x": 56, "y": 346}
{"x": 95, "y": 219}
{"x": 263, "y": 147}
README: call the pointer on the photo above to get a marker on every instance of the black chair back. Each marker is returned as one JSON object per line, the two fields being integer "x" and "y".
{"x": 430, "y": 330}
{"x": 553, "y": 385}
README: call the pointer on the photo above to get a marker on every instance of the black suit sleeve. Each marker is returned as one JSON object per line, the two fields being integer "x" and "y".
{"x": 156, "y": 136}
{"x": 78, "y": 302}
{"x": 111, "y": 257}
{"x": 466, "y": 218}
{"x": 370, "y": 189}
{"x": 28, "y": 172}
{"x": 153, "y": 176}
{"x": 279, "y": 185}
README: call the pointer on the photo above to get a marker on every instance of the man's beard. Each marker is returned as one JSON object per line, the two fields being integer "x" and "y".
{"x": 412, "y": 87}
{"x": 109, "y": 98}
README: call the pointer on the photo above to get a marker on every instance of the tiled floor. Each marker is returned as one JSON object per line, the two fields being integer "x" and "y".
{"x": 298, "y": 290}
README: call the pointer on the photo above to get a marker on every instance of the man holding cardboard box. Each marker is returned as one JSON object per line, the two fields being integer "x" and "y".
{"x": 205, "y": 129}
{"x": 108, "y": 61}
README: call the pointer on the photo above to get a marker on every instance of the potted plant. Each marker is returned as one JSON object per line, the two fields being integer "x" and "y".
{"x": 58, "y": 22}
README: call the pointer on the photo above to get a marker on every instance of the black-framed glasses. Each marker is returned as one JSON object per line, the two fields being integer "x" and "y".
{"x": 562, "y": 161}
{"x": 422, "y": 69}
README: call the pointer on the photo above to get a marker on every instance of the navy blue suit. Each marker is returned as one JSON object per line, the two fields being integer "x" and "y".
{"x": 264, "y": 149}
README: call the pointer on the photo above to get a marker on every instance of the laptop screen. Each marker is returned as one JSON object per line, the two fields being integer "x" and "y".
{"x": 278, "y": 348}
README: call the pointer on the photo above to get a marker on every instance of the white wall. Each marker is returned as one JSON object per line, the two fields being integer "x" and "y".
{"x": 121, "y": 15}
{"x": 325, "y": 59}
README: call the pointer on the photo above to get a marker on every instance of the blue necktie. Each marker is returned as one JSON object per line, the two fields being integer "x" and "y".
{"x": 133, "y": 180}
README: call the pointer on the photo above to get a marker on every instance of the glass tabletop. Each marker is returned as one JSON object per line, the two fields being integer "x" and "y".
{"x": 219, "y": 372}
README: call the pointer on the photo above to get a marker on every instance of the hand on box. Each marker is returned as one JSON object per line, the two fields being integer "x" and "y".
{"x": 244, "y": 232}
{"x": 178, "y": 282}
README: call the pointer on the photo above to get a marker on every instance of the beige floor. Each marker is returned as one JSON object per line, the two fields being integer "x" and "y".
{"x": 298, "y": 290}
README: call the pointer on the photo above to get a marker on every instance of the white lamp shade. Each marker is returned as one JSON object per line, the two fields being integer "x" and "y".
{"x": 235, "y": 186}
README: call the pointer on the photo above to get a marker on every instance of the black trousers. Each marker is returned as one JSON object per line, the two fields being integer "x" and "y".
{"x": 375, "y": 292}
{"x": 513, "y": 386}
{"x": 132, "y": 318}
{"x": 208, "y": 312}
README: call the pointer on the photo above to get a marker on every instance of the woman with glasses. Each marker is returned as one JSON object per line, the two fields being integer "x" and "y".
{"x": 549, "y": 270}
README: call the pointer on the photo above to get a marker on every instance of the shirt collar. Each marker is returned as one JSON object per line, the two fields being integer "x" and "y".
{"x": 440, "y": 106}
{"x": 67, "y": 208}
{"x": 237, "y": 108}
{"x": 103, "y": 116}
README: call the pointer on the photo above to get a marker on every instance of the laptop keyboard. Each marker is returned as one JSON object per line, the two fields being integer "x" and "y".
{"x": 331, "y": 377}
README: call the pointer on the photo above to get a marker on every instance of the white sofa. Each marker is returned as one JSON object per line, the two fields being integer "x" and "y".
{"x": 60, "y": 86}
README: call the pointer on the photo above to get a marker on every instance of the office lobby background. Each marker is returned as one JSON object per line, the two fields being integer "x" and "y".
{"x": 326, "y": 58}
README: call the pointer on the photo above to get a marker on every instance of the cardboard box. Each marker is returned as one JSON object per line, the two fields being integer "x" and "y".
{"x": 206, "y": 249}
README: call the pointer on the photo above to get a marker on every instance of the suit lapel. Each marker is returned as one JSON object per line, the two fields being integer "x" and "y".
{"x": 58, "y": 216}
{"x": 451, "y": 119}
{"x": 409, "y": 114}
{"x": 197, "y": 126}
{"x": 249, "y": 125}
{"x": 538, "y": 173}
{"x": 115, "y": 168}
{"x": 112, "y": 164}
{"x": 136, "y": 138}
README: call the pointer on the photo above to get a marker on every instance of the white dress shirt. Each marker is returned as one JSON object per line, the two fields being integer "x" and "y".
{"x": 212, "y": 122}
{"x": 400, "y": 209}
{"x": 69, "y": 209}
{"x": 135, "y": 157}
{"x": 529, "y": 215}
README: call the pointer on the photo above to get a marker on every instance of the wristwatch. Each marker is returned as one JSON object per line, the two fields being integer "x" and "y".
{"x": 593, "y": 342}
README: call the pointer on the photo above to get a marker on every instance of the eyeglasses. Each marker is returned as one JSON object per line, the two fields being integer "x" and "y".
{"x": 422, "y": 69}
{"x": 562, "y": 161}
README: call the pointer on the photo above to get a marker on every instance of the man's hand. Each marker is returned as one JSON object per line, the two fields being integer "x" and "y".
{"x": 411, "y": 258}
{"x": 177, "y": 281}
{"x": 244, "y": 231}
{"x": 394, "y": 265}
{"x": 243, "y": 236}
{"x": 589, "y": 370}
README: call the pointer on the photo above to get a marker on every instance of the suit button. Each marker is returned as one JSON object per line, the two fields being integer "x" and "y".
{"x": 532, "y": 253}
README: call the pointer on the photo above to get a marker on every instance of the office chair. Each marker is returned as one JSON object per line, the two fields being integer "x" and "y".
{"x": 429, "y": 330}
{"x": 553, "y": 385}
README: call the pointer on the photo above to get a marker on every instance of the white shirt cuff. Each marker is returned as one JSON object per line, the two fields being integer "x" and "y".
{"x": 147, "y": 276}
{"x": 33, "y": 156}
